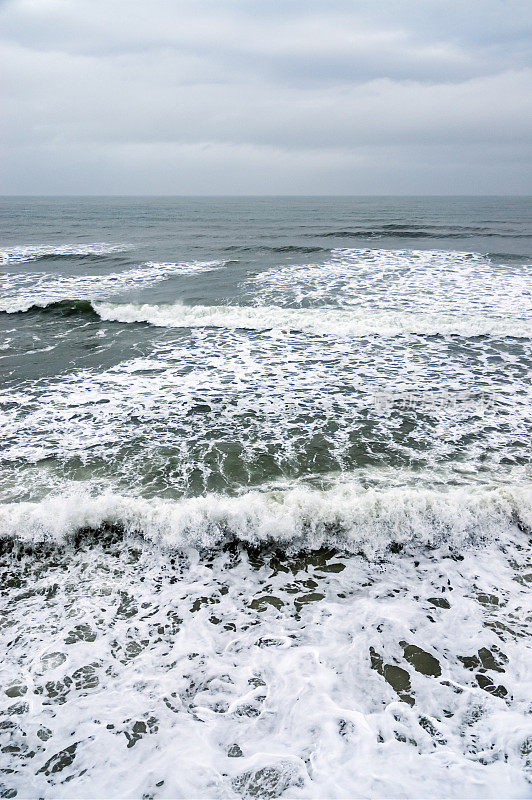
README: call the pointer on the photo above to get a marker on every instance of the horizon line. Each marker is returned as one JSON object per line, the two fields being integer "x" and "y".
{"x": 237, "y": 196}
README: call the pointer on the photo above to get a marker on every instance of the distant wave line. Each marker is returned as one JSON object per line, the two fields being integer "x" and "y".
{"x": 23, "y": 254}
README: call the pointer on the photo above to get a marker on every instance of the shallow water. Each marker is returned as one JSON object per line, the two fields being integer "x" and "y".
{"x": 265, "y": 497}
{"x": 134, "y": 672}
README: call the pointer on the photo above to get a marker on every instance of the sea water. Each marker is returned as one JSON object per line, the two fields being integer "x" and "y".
{"x": 266, "y": 497}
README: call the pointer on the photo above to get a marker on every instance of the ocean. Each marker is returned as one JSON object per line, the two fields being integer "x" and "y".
{"x": 265, "y": 497}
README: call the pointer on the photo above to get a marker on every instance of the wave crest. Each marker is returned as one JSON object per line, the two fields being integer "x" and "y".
{"x": 346, "y": 516}
{"x": 316, "y": 320}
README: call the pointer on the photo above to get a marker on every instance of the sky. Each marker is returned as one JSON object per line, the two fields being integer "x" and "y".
{"x": 236, "y": 97}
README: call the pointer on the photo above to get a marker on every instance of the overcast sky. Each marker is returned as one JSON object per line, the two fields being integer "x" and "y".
{"x": 260, "y": 97}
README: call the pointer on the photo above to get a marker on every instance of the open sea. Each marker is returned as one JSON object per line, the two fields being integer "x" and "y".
{"x": 265, "y": 497}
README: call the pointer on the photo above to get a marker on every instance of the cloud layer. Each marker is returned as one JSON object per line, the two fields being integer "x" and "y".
{"x": 232, "y": 97}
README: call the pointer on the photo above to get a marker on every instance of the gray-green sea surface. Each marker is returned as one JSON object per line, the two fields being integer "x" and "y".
{"x": 265, "y": 497}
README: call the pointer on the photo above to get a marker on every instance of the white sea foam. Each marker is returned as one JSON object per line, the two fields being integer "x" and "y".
{"x": 420, "y": 281}
{"x": 184, "y": 268}
{"x": 364, "y": 292}
{"x": 234, "y": 680}
{"x": 345, "y": 515}
{"x": 152, "y": 668}
{"x": 219, "y": 407}
{"x": 146, "y": 672}
{"x": 319, "y": 321}
{"x": 22, "y": 254}
{"x": 20, "y": 292}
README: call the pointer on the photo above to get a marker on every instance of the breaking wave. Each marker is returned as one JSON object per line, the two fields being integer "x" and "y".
{"x": 64, "y": 308}
{"x": 347, "y": 516}
{"x": 318, "y": 321}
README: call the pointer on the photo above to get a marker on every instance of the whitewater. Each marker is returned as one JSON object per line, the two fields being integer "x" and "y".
{"x": 265, "y": 498}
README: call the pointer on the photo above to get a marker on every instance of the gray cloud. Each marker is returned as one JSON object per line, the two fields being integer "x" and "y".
{"x": 228, "y": 97}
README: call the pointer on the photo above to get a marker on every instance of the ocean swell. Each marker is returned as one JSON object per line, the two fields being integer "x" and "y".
{"x": 23, "y": 254}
